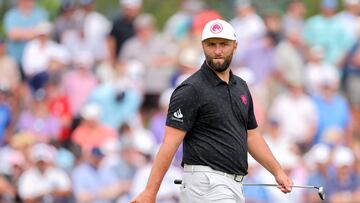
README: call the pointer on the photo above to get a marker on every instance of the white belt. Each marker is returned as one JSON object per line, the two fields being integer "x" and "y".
{"x": 200, "y": 168}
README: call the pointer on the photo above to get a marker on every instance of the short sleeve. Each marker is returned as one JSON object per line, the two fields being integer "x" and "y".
{"x": 183, "y": 108}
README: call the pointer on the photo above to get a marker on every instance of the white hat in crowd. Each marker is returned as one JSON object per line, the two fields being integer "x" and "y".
{"x": 44, "y": 28}
{"x": 319, "y": 153}
{"x": 343, "y": 156}
{"x": 287, "y": 159}
{"x": 83, "y": 59}
{"x": 131, "y": 3}
{"x": 218, "y": 29}
{"x": 144, "y": 142}
{"x": 91, "y": 111}
{"x": 43, "y": 152}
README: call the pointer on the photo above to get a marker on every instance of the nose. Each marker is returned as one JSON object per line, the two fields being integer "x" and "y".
{"x": 218, "y": 50}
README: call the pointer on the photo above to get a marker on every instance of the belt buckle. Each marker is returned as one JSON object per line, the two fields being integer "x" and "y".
{"x": 236, "y": 176}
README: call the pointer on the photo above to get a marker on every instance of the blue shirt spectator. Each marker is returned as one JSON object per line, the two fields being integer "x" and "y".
{"x": 118, "y": 106}
{"x": 89, "y": 180}
{"x": 5, "y": 119}
{"x": 326, "y": 30}
{"x": 333, "y": 113}
{"x": 19, "y": 23}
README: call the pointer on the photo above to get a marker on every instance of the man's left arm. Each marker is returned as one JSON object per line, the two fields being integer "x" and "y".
{"x": 261, "y": 152}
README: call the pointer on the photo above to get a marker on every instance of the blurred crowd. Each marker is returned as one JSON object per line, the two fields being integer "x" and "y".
{"x": 83, "y": 98}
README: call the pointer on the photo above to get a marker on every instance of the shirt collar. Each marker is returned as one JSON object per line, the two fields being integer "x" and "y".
{"x": 213, "y": 78}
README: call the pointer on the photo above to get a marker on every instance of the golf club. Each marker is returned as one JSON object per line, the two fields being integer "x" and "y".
{"x": 321, "y": 190}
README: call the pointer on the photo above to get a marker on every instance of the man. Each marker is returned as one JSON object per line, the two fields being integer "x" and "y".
{"x": 20, "y": 27}
{"x": 212, "y": 111}
{"x": 123, "y": 27}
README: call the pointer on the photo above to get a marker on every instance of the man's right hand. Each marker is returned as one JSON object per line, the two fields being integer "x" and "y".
{"x": 144, "y": 197}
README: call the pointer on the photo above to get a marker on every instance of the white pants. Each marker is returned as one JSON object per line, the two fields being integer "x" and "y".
{"x": 207, "y": 187}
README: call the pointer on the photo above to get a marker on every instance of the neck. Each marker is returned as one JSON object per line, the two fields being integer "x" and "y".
{"x": 224, "y": 75}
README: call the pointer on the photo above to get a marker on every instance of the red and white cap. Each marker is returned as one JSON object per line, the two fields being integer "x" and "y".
{"x": 218, "y": 29}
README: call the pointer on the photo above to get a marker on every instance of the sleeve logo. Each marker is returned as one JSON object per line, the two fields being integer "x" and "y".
{"x": 178, "y": 116}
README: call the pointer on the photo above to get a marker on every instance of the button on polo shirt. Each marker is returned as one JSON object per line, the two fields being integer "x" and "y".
{"x": 216, "y": 117}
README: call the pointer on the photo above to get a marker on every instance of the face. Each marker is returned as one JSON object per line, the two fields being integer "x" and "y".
{"x": 218, "y": 53}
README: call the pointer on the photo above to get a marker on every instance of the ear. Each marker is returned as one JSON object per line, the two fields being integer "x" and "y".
{"x": 235, "y": 47}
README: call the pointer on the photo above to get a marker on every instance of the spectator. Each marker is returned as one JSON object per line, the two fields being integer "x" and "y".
{"x": 52, "y": 183}
{"x": 326, "y": 30}
{"x": 294, "y": 17}
{"x": 18, "y": 164}
{"x": 6, "y": 115}
{"x": 7, "y": 191}
{"x": 297, "y": 125}
{"x": 248, "y": 26}
{"x": 342, "y": 185}
{"x": 349, "y": 17}
{"x": 9, "y": 72}
{"x": 351, "y": 79}
{"x": 274, "y": 137}
{"x": 123, "y": 27}
{"x": 38, "y": 120}
{"x": 315, "y": 69}
{"x": 178, "y": 25}
{"x": 188, "y": 59}
{"x": 158, "y": 57}
{"x": 263, "y": 69}
{"x": 289, "y": 58}
{"x": 65, "y": 21}
{"x": 333, "y": 109}
{"x": 318, "y": 163}
{"x": 91, "y": 132}
{"x": 114, "y": 160}
{"x": 79, "y": 83}
{"x": 95, "y": 27}
{"x": 39, "y": 53}
{"x": 95, "y": 184}
{"x": 118, "y": 100}
{"x": 59, "y": 106}
{"x": 19, "y": 24}
{"x": 145, "y": 147}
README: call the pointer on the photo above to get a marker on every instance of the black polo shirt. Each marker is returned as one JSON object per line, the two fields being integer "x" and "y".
{"x": 216, "y": 117}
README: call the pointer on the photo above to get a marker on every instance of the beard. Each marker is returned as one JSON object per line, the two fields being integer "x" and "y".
{"x": 219, "y": 67}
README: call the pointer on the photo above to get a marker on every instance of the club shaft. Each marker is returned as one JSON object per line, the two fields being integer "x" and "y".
{"x": 276, "y": 185}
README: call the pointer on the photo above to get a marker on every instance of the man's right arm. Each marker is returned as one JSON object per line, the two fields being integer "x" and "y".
{"x": 171, "y": 141}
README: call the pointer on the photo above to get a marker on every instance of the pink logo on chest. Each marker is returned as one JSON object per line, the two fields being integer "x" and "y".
{"x": 244, "y": 99}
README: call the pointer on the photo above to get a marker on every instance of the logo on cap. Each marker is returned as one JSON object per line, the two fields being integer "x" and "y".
{"x": 216, "y": 28}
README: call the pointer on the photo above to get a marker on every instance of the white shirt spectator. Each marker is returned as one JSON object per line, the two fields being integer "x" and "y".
{"x": 96, "y": 29}
{"x": 36, "y": 57}
{"x": 33, "y": 184}
{"x": 314, "y": 74}
{"x": 296, "y": 115}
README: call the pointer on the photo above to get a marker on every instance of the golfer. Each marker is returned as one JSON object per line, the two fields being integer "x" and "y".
{"x": 212, "y": 114}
